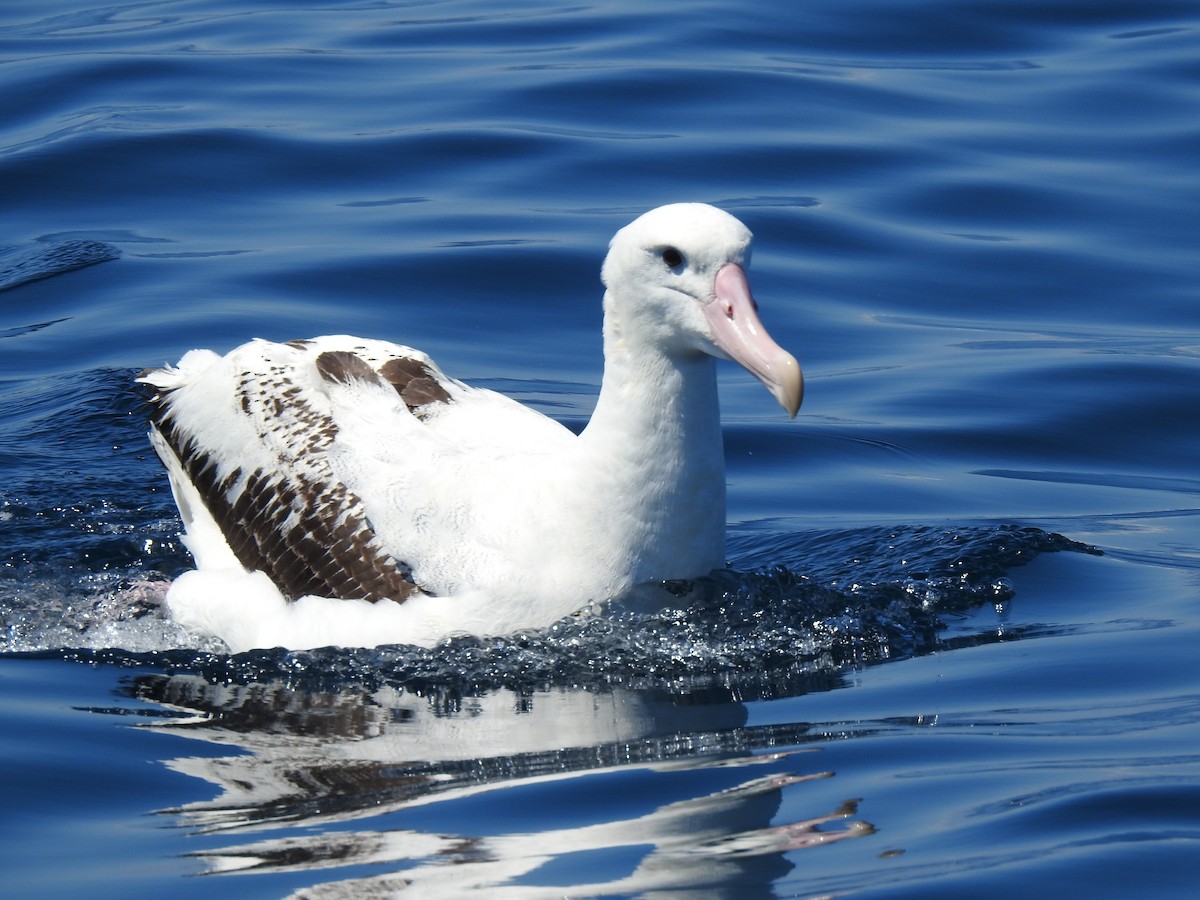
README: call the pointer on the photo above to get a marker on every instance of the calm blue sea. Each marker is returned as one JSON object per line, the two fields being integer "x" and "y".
{"x": 956, "y": 650}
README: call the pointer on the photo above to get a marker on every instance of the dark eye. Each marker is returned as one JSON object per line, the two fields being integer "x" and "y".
{"x": 672, "y": 257}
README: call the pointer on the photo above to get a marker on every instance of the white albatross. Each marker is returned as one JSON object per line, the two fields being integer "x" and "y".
{"x": 342, "y": 491}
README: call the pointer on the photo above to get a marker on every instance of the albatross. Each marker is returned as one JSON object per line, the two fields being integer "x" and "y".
{"x": 344, "y": 491}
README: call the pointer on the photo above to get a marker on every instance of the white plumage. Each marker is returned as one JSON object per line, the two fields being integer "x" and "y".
{"x": 345, "y": 491}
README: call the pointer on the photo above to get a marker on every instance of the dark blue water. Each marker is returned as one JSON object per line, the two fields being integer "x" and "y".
{"x": 955, "y": 652}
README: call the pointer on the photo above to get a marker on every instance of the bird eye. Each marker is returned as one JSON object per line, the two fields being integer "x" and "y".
{"x": 672, "y": 257}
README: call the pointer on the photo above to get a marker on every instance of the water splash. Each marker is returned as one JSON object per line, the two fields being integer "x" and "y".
{"x": 87, "y": 557}
{"x": 731, "y": 627}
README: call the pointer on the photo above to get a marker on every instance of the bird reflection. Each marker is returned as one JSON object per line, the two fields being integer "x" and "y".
{"x": 521, "y": 793}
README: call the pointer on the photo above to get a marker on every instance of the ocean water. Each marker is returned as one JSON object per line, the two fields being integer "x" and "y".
{"x": 955, "y": 650}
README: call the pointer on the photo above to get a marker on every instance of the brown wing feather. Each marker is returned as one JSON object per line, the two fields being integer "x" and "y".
{"x": 295, "y": 522}
{"x": 414, "y": 381}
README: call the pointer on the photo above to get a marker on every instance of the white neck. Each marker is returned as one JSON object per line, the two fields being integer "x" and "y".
{"x": 653, "y": 460}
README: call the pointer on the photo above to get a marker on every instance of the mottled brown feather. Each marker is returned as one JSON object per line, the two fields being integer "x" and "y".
{"x": 296, "y": 523}
{"x": 414, "y": 382}
{"x": 342, "y": 366}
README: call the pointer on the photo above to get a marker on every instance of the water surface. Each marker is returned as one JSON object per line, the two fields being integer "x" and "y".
{"x": 954, "y": 651}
